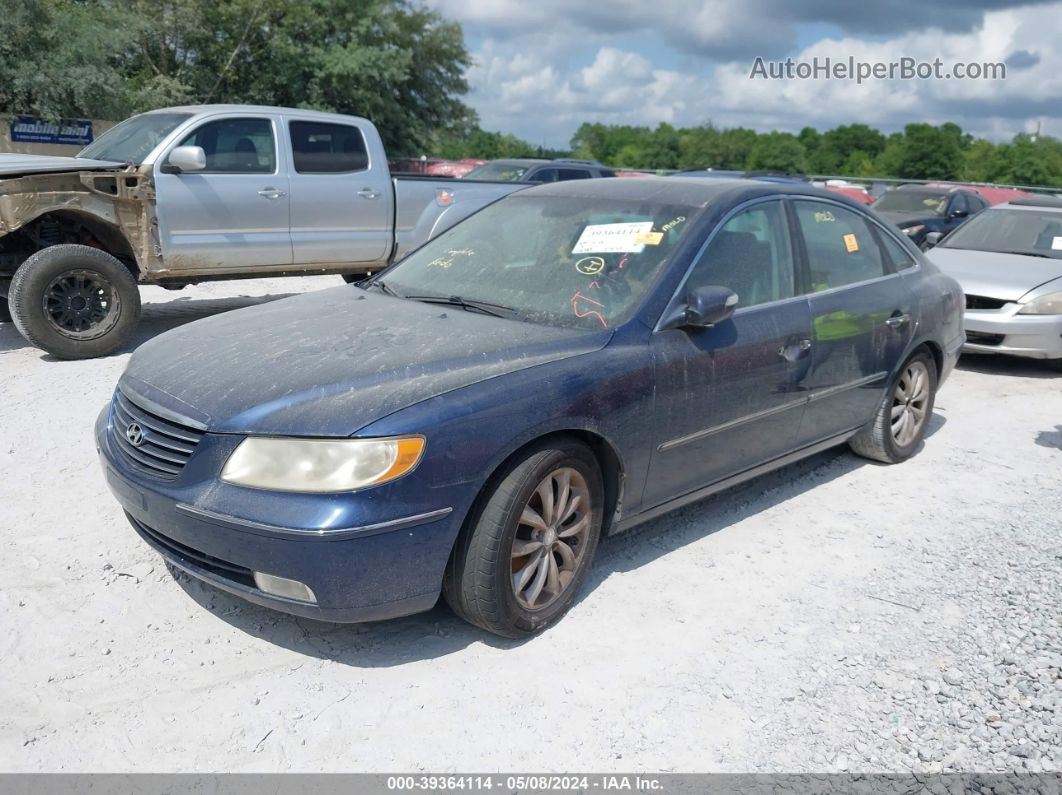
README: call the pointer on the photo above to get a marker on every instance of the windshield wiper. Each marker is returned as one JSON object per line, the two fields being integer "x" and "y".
{"x": 383, "y": 286}
{"x": 465, "y": 303}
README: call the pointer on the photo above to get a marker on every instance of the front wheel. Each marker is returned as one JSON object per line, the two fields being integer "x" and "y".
{"x": 75, "y": 302}
{"x": 899, "y": 425}
{"x": 519, "y": 564}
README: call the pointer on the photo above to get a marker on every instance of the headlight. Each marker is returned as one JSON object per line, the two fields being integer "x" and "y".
{"x": 913, "y": 230}
{"x": 320, "y": 465}
{"x": 1050, "y": 304}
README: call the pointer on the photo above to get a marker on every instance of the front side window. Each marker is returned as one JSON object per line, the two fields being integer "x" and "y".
{"x": 750, "y": 255}
{"x": 236, "y": 146}
{"x": 841, "y": 245}
{"x": 322, "y": 148}
{"x": 900, "y": 257}
{"x": 565, "y": 261}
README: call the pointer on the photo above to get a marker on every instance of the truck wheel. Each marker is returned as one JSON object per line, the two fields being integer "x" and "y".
{"x": 75, "y": 302}
{"x": 518, "y": 565}
{"x": 899, "y": 425}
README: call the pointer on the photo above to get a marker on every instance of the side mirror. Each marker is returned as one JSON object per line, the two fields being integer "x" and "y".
{"x": 709, "y": 305}
{"x": 932, "y": 238}
{"x": 185, "y": 158}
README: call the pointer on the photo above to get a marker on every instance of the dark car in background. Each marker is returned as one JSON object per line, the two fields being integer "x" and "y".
{"x": 920, "y": 209}
{"x": 528, "y": 169}
{"x": 571, "y": 361}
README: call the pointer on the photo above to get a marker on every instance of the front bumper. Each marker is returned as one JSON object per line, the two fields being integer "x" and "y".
{"x": 366, "y": 557}
{"x": 1005, "y": 331}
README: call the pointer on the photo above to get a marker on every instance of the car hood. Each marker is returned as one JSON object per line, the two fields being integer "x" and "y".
{"x": 330, "y": 362}
{"x": 1004, "y": 276}
{"x": 15, "y": 164}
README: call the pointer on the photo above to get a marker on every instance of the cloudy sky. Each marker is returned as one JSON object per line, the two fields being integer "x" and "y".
{"x": 544, "y": 66}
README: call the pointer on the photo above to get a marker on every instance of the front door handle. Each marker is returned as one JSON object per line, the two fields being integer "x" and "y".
{"x": 794, "y": 349}
{"x": 368, "y": 193}
{"x": 898, "y": 321}
{"x": 271, "y": 193}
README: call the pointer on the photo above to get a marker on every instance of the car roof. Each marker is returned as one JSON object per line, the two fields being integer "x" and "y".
{"x": 691, "y": 191}
{"x": 1032, "y": 203}
{"x": 516, "y": 161}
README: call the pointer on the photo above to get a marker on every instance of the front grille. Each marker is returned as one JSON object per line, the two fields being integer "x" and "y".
{"x": 166, "y": 445}
{"x": 193, "y": 557}
{"x": 981, "y": 302}
{"x": 980, "y": 338}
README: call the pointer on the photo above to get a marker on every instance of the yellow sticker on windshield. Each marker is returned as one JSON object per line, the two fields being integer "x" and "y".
{"x": 824, "y": 217}
{"x": 649, "y": 238}
{"x": 590, "y": 266}
{"x": 851, "y": 244}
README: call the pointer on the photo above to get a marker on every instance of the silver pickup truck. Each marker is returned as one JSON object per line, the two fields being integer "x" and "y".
{"x": 189, "y": 194}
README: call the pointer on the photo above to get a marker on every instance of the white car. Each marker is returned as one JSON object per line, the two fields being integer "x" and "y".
{"x": 1008, "y": 260}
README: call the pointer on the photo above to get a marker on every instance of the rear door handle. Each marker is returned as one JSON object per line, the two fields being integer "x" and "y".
{"x": 898, "y": 321}
{"x": 368, "y": 193}
{"x": 271, "y": 193}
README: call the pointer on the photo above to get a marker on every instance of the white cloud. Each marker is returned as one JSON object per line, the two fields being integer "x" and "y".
{"x": 542, "y": 69}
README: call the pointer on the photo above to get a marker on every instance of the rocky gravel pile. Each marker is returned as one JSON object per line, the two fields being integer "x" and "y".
{"x": 996, "y": 705}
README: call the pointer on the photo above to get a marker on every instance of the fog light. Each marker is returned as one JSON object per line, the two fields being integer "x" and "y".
{"x": 281, "y": 586}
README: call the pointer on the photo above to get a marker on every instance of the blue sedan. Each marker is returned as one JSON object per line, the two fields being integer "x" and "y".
{"x": 571, "y": 361}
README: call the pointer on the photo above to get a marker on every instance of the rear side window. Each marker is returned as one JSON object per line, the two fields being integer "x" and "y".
{"x": 842, "y": 247}
{"x": 900, "y": 258}
{"x": 236, "y": 146}
{"x": 323, "y": 148}
{"x": 572, "y": 173}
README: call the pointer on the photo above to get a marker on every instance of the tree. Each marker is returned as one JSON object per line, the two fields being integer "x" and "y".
{"x": 930, "y": 152}
{"x": 398, "y": 64}
{"x": 778, "y": 151}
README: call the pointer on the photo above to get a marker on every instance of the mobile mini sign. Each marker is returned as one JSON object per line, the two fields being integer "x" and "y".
{"x": 32, "y": 130}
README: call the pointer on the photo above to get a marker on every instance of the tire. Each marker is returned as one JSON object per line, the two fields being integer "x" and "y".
{"x": 353, "y": 278}
{"x": 911, "y": 394}
{"x": 488, "y": 583}
{"x": 75, "y": 302}
{"x": 5, "y": 311}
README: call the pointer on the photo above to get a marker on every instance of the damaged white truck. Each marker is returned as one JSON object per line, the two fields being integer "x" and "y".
{"x": 183, "y": 195}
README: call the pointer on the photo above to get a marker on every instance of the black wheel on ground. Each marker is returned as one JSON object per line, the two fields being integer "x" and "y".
{"x": 5, "y": 311}
{"x": 75, "y": 302}
{"x": 527, "y": 549}
{"x": 899, "y": 425}
{"x": 351, "y": 278}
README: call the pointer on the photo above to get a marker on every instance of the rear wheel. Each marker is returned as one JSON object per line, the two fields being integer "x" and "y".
{"x": 900, "y": 423}
{"x": 76, "y": 302}
{"x": 518, "y": 566}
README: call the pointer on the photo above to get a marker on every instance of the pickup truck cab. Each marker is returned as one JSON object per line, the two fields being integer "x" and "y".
{"x": 188, "y": 194}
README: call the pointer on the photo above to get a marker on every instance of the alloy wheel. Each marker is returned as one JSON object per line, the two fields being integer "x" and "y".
{"x": 909, "y": 401}
{"x": 81, "y": 304}
{"x": 549, "y": 547}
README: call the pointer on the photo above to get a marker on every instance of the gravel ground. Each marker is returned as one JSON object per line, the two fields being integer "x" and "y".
{"x": 835, "y": 615}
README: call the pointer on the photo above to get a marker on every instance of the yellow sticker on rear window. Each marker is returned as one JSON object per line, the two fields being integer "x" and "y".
{"x": 649, "y": 238}
{"x": 851, "y": 244}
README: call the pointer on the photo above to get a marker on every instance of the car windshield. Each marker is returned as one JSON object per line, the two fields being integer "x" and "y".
{"x": 912, "y": 201}
{"x": 505, "y": 172}
{"x": 565, "y": 261}
{"x": 1036, "y": 233}
{"x": 133, "y": 139}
